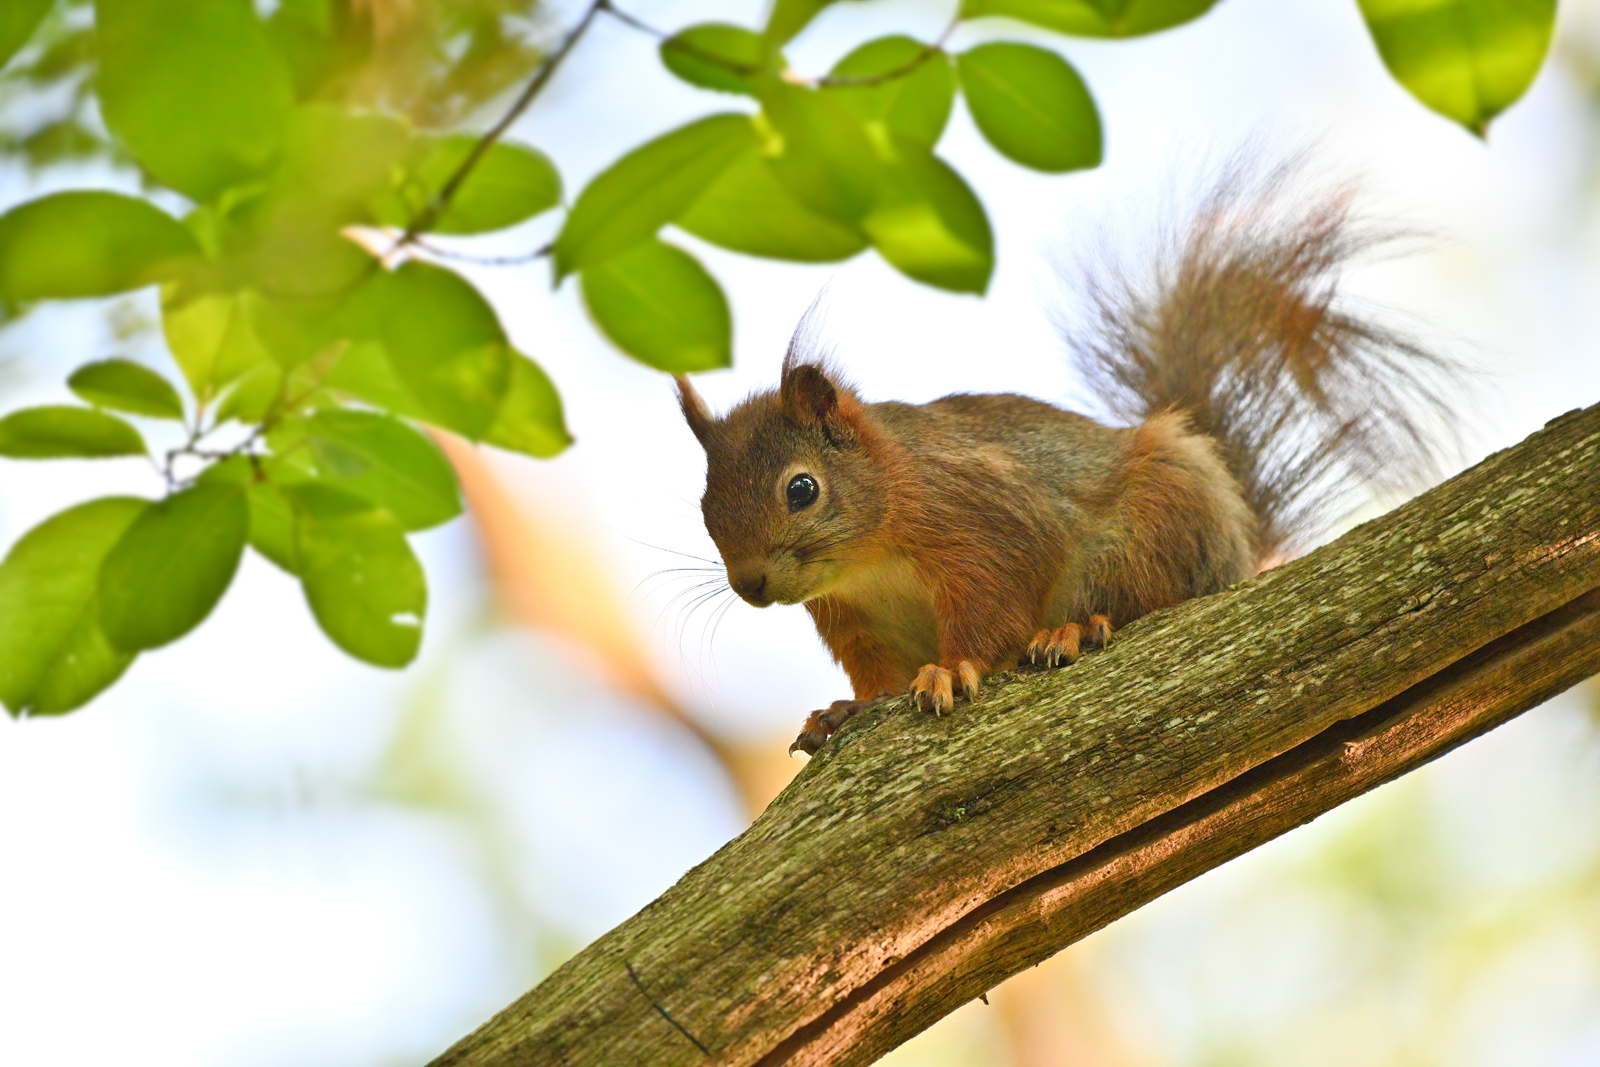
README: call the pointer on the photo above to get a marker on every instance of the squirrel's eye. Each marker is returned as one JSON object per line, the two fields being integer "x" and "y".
{"x": 802, "y": 492}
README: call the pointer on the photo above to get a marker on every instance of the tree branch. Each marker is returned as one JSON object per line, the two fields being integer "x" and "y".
{"x": 919, "y": 861}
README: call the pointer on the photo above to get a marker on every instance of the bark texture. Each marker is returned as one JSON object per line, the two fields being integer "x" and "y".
{"x": 919, "y": 861}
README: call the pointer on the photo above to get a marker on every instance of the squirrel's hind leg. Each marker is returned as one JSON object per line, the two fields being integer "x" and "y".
{"x": 1064, "y": 644}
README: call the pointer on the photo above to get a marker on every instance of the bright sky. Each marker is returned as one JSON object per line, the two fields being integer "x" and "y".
{"x": 194, "y": 872}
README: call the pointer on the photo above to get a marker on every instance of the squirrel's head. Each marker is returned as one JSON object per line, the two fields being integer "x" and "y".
{"x": 790, "y": 485}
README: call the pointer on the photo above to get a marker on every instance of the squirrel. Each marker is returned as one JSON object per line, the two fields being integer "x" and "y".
{"x": 936, "y": 543}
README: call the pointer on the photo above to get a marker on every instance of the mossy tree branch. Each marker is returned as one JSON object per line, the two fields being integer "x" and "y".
{"x": 919, "y": 861}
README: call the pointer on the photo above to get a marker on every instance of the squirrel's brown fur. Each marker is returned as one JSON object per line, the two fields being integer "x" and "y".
{"x": 948, "y": 540}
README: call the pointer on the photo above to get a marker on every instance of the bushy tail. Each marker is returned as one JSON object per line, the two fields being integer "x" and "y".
{"x": 1240, "y": 324}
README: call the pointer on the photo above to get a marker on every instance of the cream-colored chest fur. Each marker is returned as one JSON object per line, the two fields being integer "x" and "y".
{"x": 897, "y": 607}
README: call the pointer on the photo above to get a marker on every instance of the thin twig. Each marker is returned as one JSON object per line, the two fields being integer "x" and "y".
{"x": 485, "y": 261}
{"x": 484, "y": 143}
{"x": 642, "y": 26}
{"x": 672, "y": 41}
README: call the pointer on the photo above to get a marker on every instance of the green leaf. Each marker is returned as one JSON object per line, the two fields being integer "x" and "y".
{"x": 18, "y": 20}
{"x": 1468, "y": 60}
{"x": 172, "y": 566}
{"x": 363, "y": 583}
{"x": 341, "y": 157}
{"x": 291, "y": 243}
{"x": 749, "y": 210}
{"x": 380, "y": 459}
{"x": 443, "y": 342}
{"x": 123, "y": 385}
{"x": 80, "y": 244}
{"x": 661, "y": 307}
{"x": 530, "y": 419}
{"x": 252, "y": 396}
{"x": 314, "y": 42}
{"x": 1031, "y": 106}
{"x": 716, "y": 55}
{"x": 286, "y": 237}
{"x": 930, "y": 226}
{"x": 293, "y": 331}
{"x": 913, "y": 104}
{"x": 271, "y": 515}
{"x": 211, "y": 337}
{"x": 61, "y": 432}
{"x": 821, "y": 149}
{"x": 364, "y": 373}
{"x": 272, "y": 522}
{"x": 789, "y": 17}
{"x": 509, "y": 184}
{"x": 53, "y": 656}
{"x": 1093, "y": 18}
{"x": 194, "y": 89}
{"x": 648, "y": 188}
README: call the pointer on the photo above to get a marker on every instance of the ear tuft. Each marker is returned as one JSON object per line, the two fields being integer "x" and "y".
{"x": 808, "y": 395}
{"x": 695, "y": 411}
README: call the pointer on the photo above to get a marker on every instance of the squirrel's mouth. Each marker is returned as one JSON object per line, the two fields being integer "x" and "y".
{"x": 772, "y": 580}
{"x": 766, "y": 599}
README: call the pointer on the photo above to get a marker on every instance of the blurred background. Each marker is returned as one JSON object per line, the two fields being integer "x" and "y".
{"x": 255, "y": 851}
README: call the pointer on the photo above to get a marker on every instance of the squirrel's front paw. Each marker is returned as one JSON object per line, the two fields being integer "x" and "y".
{"x": 823, "y": 724}
{"x": 934, "y": 687}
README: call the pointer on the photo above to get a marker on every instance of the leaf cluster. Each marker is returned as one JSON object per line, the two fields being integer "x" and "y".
{"x": 315, "y": 366}
{"x": 825, "y": 169}
{"x": 313, "y": 146}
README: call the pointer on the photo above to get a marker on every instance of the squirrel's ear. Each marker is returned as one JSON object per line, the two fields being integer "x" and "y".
{"x": 695, "y": 412}
{"x": 808, "y": 395}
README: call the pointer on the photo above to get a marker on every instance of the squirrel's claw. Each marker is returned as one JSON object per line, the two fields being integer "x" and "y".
{"x": 812, "y": 737}
{"x": 934, "y": 689}
{"x": 1057, "y": 646}
{"x": 969, "y": 677}
{"x": 1065, "y": 644}
{"x": 823, "y": 724}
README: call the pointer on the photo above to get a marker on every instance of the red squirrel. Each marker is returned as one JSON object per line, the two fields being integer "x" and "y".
{"x": 934, "y": 544}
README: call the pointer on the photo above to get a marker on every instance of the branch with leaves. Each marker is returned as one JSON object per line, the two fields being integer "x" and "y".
{"x": 310, "y": 362}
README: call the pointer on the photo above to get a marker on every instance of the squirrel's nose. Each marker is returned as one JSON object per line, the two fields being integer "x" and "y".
{"x": 750, "y": 584}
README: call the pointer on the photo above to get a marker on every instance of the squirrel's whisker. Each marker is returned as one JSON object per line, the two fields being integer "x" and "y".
{"x": 672, "y": 603}
{"x": 665, "y": 578}
{"x": 721, "y": 613}
{"x": 672, "y": 551}
{"x": 693, "y": 608}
